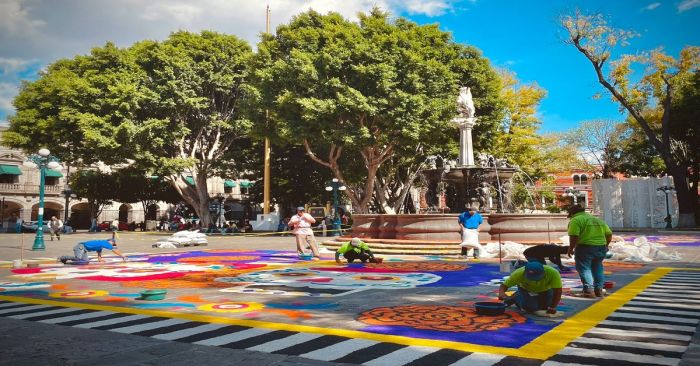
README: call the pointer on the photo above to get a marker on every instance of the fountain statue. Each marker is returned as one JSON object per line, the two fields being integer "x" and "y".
{"x": 464, "y": 179}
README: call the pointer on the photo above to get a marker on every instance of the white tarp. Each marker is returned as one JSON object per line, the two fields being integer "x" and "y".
{"x": 640, "y": 250}
{"x": 182, "y": 238}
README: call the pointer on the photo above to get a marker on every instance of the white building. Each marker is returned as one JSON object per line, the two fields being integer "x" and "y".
{"x": 19, "y": 196}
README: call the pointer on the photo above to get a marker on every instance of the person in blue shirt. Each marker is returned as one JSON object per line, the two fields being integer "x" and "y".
{"x": 81, "y": 250}
{"x": 470, "y": 220}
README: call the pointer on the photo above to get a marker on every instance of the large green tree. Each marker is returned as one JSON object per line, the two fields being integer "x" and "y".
{"x": 362, "y": 91}
{"x": 171, "y": 108}
{"x": 657, "y": 89}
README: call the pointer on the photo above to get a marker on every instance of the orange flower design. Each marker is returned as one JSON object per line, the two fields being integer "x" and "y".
{"x": 417, "y": 266}
{"x": 190, "y": 280}
{"x": 440, "y": 318}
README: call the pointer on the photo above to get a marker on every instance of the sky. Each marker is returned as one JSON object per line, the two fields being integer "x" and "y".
{"x": 523, "y": 37}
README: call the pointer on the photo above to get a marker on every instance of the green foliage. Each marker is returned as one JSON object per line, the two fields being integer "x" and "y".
{"x": 294, "y": 179}
{"x": 96, "y": 187}
{"x": 170, "y": 108}
{"x": 133, "y": 185}
{"x": 364, "y": 90}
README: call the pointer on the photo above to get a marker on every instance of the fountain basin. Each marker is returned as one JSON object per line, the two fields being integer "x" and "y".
{"x": 441, "y": 233}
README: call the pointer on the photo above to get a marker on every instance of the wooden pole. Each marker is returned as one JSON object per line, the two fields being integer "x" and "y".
{"x": 266, "y": 174}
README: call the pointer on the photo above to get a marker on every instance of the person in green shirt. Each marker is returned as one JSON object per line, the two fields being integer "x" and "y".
{"x": 539, "y": 287}
{"x": 355, "y": 249}
{"x": 589, "y": 237}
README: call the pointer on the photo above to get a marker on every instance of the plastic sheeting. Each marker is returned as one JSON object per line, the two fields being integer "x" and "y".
{"x": 182, "y": 238}
{"x": 640, "y": 250}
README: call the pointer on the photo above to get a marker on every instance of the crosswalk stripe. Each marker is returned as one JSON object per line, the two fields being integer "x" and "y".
{"x": 41, "y": 313}
{"x": 651, "y": 325}
{"x": 110, "y": 321}
{"x": 339, "y": 350}
{"x": 233, "y": 337}
{"x": 63, "y": 319}
{"x": 24, "y": 308}
{"x": 479, "y": 359}
{"x": 659, "y": 311}
{"x": 443, "y": 356}
{"x": 262, "y": 338}
{"x": 401, "y": 356}
{"x": 308, "y": 346}
{"x": 283, "y": 343}
{"x": 675, "y": 286}
{"x": 370, "y": 353}
{"x": 656, "y": 317}
{"x": 188, "y": 332}
{"x": 655, "y": 290}
{"x": 664, "y": 304}
{"x": 630, "y": 357}
{"x": 151, "y": 325}
{"x": 660, "y": 347}
{"x": 12, "y": 305}
{"x": 632, "y": 333}
{"x": 673, "y": 296}
{"x": 657, "y": 299}
{"x": 555, "y": 363}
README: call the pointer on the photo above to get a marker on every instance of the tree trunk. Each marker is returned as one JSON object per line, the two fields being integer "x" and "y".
{"x": 196, "y": 196}
{"x": 686, "y": 200}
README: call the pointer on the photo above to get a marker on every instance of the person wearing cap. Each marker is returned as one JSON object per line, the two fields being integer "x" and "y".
{"x": 539, "y": 287}
{"x": 469, "y": 221}
{"x": 589, "y": 238}
{"x": 81, "y": 250}
{"x": 301, "y": 228}
{"x": 354, "y": 249}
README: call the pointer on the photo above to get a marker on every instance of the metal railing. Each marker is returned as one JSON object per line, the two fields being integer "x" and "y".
{"x": 29, "y": 189}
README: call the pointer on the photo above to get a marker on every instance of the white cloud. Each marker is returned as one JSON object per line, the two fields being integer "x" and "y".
{"x": 10, "y": 66}
{"x": 7, "y": 92}
{"x": 427, "y": 7}
{"x": 15, "y": 17}
{"x": 184, "y": 14}
{"x": 686, "y": 5}
{"x": 651, "y": 6}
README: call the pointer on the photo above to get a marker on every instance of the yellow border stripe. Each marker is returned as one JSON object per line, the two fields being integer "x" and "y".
{"x": 542, "y": 347}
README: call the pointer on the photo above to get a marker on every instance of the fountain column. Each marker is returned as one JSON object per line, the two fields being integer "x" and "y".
{"x": 466, "y": 147}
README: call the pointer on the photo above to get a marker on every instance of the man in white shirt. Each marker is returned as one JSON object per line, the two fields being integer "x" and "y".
{"x": 55, "y": 226}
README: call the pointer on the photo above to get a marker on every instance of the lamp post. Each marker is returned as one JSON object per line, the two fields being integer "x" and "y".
{"x": 666, "y": 190}
{"x": 68, "y": 194}
{"x": 42, "y": 160}
{"x": 335, "y": 185}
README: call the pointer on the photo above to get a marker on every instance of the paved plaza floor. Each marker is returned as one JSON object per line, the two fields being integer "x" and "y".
{"x": 252, "y": 295}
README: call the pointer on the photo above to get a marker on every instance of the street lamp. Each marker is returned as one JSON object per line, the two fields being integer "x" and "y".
{"x": 335, "y": 185}
{"x": 68, "y": 194}
{"x": 42, "y": 160}
{"x": 666, "y": 190}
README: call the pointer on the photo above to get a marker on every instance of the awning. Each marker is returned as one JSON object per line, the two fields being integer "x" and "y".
{"x": 10, "y": 169}
{"x": 228, "y": 183}
{"x": 246, "y": 183}
{"x": 189, "y": 180}
{"x": 53, "y": 173}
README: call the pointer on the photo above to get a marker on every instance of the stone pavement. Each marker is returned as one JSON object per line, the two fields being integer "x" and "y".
{"x": 413, "y": 310}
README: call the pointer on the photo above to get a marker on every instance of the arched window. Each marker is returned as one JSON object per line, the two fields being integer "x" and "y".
{"x": 577, "y": 179}
{"x": 584, "y": 179}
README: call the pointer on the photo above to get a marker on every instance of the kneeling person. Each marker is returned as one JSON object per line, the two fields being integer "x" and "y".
{"x": 539, "y": 287}
{"x": 354, "y": 249}
{"x": 81, "y": 250}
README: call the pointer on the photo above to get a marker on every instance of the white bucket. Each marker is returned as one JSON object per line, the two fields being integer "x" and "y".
{"x": 507, "y": 266}
{"x": 17, "y": 263}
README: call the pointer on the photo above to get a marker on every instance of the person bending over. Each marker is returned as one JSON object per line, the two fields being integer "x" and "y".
{"x": 82, "y": 249}
{"x": 355, "y": 249}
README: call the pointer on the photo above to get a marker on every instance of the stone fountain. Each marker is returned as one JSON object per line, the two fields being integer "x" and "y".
{"x": 465, "y": 182}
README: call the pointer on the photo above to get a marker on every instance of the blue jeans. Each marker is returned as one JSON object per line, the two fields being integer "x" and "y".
{"x": 589, "y": 264}
{"x": 80, "y": 254}
{"x": 531, "y": 303}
